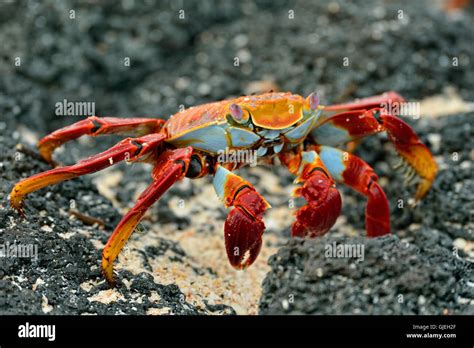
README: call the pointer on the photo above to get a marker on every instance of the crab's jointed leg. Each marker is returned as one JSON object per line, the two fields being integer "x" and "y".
{"x": 243, "y": 227}
{"x": 376, "y": 101}
{"x": 370, "y": 119}
{"x": 95, "y": 126}
{"x": 318, "y": 189}
{"x": 170, "y": 167}
{"x": 130, "y": 149}
{"x": 352, "y": 171}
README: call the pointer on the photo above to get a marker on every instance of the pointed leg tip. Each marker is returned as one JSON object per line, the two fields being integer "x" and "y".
{"x": 109, "y": 277}
{"x": 423, "y": 188}
{"x": 377, "y": 226}
{"x": 376, "y": 229}
{"x": 377, "y": 212}
{"x": 46, "y": 153}
{"x": 16, "y": 203}
{"x": 20, "y": 211}
{"x": 50, "y": 161}
{"x": 108, "y": 272}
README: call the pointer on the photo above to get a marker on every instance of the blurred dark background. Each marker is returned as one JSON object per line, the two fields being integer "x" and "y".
{"x": 296, "y": 46}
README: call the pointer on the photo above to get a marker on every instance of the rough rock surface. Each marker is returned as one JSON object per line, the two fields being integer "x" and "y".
{"x": 393, "y": 277}
{"x": 65, "y": 278}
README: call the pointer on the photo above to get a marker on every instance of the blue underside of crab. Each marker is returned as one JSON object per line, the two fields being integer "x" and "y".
{"x": 217, "y": 137}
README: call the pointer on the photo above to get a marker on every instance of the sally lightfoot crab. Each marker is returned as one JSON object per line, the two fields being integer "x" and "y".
{"x": 297, "y": 132}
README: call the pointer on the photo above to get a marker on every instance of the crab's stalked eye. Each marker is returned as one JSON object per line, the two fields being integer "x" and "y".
{"x": 312, "y": 101}
{"x": 238, "y": 114}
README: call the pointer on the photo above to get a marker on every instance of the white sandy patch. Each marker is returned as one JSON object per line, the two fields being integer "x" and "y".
{"x": 106, "y": 296}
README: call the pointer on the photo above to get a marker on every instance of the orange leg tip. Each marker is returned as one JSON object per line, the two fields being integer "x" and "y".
{"x": 108, "y": 271}
{"x": 243, "y": 238}
{"x": 421, "y": 160}
{"x": 423, "y": 188}
{"x": 19, "y": 210}
{"x": 413, "y": 151}
{"x": 16, "y": 201}
{"x": 47, "y": 154}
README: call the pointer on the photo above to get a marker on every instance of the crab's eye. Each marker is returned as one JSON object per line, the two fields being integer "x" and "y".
{"x": 312, "y": 101}
{"x": 238, "y": 114}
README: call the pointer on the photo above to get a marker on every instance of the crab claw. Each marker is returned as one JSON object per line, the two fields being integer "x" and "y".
{"x": 322, "y": 210}
{"x": 243, "y": 238}
{"x": 244, "y": 228}
{"x": 412, "y": 150}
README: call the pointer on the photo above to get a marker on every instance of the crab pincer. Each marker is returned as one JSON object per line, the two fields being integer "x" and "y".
{"x": 243, "y": 228}
{"x": 319, "y": 190}
{"x": 323, "y": 208}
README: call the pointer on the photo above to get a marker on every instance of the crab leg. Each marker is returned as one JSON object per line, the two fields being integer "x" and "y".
{"x": 95, "y": 126}
{"x": 243, "y": 227}
{"x": 353, "y": 125}
{"x": 318, "y": 189}
{"x": 376, "y": 101}
{"x": 352, "y": 171}
{"x": 129, "y": 149}
{"x": 171, "y": 166}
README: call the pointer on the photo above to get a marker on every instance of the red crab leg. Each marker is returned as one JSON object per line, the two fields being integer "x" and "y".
{"x": 170, "y": 167}
{"x": 243, "y": 227}
{"x": 354, "y": 120}
{"x": 319, "y": 190}
{"x": 97, "y": 126}
{"x": 129, "y": 149}
{"x": 383, "y": 100}
{"x": 376, "y": 101}
{"x": 353, "y": 125}
{"x": 354, "y": 172}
